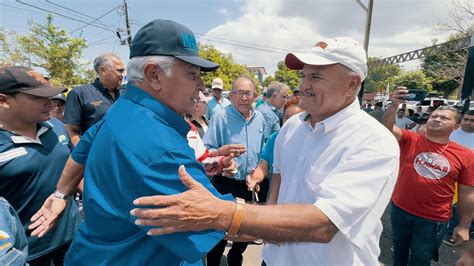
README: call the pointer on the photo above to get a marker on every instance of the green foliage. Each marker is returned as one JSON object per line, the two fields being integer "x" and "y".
{"x": 228, "y": 70}
{"x": 287, "y": 76}
{"x": 267, "y": 80}
{"x": 378, "y": 78}
{"x": 413, "y": 80}
{"x": 50, "y": 48}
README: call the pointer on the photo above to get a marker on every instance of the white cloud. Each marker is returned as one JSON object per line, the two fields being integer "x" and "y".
{"x": 397, "y": 26}
{"x": 224, "y": 12}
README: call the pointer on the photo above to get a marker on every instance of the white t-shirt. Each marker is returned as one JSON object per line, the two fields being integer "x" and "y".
{"x": 347, "y": 167}
{"x": 403, "y": 122}
{"x": 462, "y": 137}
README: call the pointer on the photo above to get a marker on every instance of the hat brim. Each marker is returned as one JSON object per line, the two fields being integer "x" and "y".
{"x": 45, "y": 91}
{"x": 205, "y": 65}
{"x": 296, "y": 61}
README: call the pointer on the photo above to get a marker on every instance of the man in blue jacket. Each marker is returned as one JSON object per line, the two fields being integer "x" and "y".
{"x": 137, "y": 149}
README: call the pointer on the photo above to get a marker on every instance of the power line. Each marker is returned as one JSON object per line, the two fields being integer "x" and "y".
{"x": 61, "y": 15}
{"x": 101, "y": 40}
{"x": 19, "y": 8}
{"x": 95, "y": 19}
{"x": 73, "y": 11}
{"x": 245, "y": 46}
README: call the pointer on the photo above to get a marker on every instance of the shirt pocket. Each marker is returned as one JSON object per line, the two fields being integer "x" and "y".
{"x": 13, "y": 257}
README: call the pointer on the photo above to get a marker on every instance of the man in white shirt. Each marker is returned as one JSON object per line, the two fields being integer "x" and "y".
{"x": 464, "y": 135}
{"x": 334, "y": 172}
{"x": 403, "y": 122}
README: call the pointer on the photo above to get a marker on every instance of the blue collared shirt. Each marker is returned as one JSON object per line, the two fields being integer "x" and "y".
{"x": 29, "y": 171}
{"x": 228, "y": 126}
{"x": 135, "y": 151}
{"x": 272, "y": 121}
{"x": 213, "y": 106}
{"x": 13, "y": 242}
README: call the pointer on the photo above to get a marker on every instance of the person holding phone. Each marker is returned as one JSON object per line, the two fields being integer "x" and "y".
{"x": 430, "y": 165}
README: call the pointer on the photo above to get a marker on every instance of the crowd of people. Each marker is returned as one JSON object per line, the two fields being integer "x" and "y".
{"x": 168, "y": 172}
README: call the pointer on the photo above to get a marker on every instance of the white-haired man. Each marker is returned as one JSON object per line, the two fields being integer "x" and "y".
{"x": 337, "y": 168}
{"x": 136, "y": 151}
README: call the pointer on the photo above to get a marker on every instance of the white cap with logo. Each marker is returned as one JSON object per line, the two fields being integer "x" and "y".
{"x": 342, "y": 50}
{"x": 217, "y": 83}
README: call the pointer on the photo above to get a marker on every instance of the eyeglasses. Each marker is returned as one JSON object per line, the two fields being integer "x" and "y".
{"x": 240, "y": 94}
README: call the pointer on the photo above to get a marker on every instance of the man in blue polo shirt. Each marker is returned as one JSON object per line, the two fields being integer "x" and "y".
{"x": 276, "y": 96}
{"x": 87, "y": 104}
{"x": 237, "y": 123}
{"x": 136, "y": 151}
{"x": 217, "y": 102}
{"x": 33, "y": 152}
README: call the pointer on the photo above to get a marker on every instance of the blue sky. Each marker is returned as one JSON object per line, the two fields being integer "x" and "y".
{"x": 256, "y": 32}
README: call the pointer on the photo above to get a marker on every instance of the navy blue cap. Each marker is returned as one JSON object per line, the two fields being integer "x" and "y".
{"x": 168, "y": 38}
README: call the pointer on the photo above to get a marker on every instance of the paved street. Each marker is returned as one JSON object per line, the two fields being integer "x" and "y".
{"x": 448, "y": 255}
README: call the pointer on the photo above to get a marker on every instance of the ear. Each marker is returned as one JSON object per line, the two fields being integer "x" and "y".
{"x": 152, "y": 74}
{"x": 4, "y": 101}
{"x": 353, "y": 85}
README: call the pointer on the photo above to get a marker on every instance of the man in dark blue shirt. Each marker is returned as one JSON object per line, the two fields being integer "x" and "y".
{"x": 87, "y": 104}
{"x": 33, "y": 152}
{"x": 137, "y": 149}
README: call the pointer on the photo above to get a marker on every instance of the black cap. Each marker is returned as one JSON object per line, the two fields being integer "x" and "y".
{"x": 21, "y": 79}
{"x": 60, "y": 97}
{"x": 168, "y": 38}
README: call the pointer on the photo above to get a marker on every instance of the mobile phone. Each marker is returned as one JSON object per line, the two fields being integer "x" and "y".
{"x": 415, "y": 95}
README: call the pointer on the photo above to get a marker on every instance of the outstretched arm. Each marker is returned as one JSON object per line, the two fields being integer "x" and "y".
{"x": 197, "y": 209}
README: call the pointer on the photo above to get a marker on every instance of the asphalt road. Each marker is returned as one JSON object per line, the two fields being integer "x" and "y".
{"x": 448, "y": 255}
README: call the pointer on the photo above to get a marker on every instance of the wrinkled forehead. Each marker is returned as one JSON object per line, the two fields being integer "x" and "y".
{"x": 445, "y": 113}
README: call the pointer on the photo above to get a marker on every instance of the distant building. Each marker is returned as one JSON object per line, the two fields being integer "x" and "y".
{"x": 258, "y": 72}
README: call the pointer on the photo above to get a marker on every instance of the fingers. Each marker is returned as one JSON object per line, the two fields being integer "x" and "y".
{"x": 160, "y": 201}
{"x": 227, "y": 160}
{"x": 36, "y": 216}
{"x": 187, "y": 180}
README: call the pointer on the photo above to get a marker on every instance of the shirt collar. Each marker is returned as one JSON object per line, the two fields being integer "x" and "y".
{"x": 273, "y": 108}
{"x": 235, "y": 111}
{"x": 332, "y": 122}
{"x": 42, "y": 128}
{"x": 144, "y": 99}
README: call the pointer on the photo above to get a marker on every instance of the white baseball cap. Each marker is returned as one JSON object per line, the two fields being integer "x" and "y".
{"x": 217, "y": 83}
{"x": 342, "y": 50}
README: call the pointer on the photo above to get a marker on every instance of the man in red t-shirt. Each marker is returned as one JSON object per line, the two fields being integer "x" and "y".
{"x": 429, "y": 167}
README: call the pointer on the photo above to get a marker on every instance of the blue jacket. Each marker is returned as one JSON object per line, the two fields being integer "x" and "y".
{"x": 13, "y": 241}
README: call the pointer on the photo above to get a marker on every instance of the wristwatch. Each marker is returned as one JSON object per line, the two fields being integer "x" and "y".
{"x": 60, "y": 195}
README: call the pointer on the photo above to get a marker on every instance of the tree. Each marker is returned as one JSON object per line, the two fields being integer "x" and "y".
{"x": 228, "y": 70}
{"x": 413, "y": 80}
{"x": 50, "y": 48}
{"x": 446, "y": 69}
{"x": 378, "y": 77}
{"x": 287, "y": 76}
{"x": 267, "y": 80}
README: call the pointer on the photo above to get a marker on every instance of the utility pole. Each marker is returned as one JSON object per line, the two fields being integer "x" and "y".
{"x": 467, "y": 91}
{"x": 127, "y": 23}
{"x": 368, "y": 24}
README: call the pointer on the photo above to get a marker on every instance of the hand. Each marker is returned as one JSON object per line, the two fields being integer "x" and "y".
{"x": 47, "y": 216}
{"x": 230, "y": 166}
{"x": 194, "y": 210}
{"x": 460, "y": 235}
{"x": 397, "y": 95}
{"x": 235, "y": 149}
{"x": 252, "y": 182}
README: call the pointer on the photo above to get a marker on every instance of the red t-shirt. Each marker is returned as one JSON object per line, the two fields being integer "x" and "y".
{"x": 428, "y": 171}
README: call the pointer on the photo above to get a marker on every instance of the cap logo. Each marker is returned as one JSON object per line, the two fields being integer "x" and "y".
{"x": 189, "y": 42}
{"x": 323, "y": 45}
{"x": 37, "y": 76}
